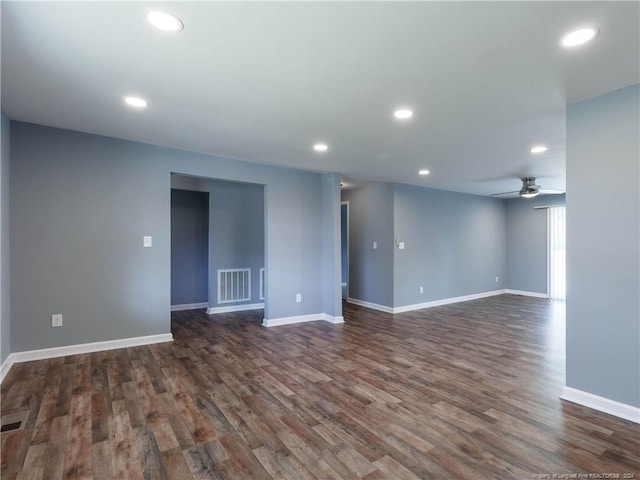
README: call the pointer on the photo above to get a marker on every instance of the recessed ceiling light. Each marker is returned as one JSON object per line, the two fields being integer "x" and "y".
{"x": 135, "y": 102}
{"x": 578, "y": 37}
{"x": 424, "y": 171}
{"x": 403, "y": 113}
{"x": 165, "y": 21}
{"x": 538, "y": 149}
{"x": 321, "y": 147}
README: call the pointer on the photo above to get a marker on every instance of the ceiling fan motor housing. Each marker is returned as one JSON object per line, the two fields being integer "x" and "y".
{"x": 529, "y": 187}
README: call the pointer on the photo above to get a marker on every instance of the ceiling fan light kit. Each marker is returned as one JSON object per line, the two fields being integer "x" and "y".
{"x": 529, "y": 190}
{"x": 529, "y": 194}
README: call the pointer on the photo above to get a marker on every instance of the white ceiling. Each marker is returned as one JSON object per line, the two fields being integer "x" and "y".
{"x": 264, "y": 81}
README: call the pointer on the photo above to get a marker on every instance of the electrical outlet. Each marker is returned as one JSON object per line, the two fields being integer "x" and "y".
{"x": 421, "y": 289}
{"x": 497, "y": 280}
{"x": 375, "y": 245}
{"x": 56, "y": 320}
{"x": 147, "y": 241}
{"x": 298, "y": 297}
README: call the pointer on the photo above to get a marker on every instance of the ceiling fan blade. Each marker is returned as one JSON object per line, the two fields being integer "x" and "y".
{"x": 515, "y": 192}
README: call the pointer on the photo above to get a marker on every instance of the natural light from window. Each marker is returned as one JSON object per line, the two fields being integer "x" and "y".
{"x": 557, "y": 252}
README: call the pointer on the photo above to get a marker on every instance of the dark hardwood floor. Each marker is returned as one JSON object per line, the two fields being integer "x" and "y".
{"x": 465, "y": 391}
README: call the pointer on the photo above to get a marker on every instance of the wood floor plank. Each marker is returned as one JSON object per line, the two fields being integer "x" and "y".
{"x": 201, "y": 464}
{"x": 389, "y": 467}
{"x": 178, "y": 427}
{"x": 100, "y": 412}
{"x": 45, "y": 414}
{"x": 152, "y": 466}
{"x": 78, "y": 455}
{"x": 63, "y": 402}
{"x": 36, "y": 456}
{"x": 125, "y": 456}
{"x": 175, "y": 464}
{"x": 242, "y": 458}
{"x": 200, "y": 430}
{"x": 30, "y": 473}
{"x": 269, "y": 462}
{"x": 462, "y": 391}
{"x": 54, "y": 467}
{"x": 101, "y": 460}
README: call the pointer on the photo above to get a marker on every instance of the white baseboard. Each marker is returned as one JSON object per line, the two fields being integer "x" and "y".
{"x": 235, "y": 308}
{"x": 331, "y": 319}
{"x": 526, "y": 294}
{"x": 45, "y": 353}
{"x": 420, "y": 306}
{"x": 189, "y": 306}
{"x": 6, "y": 366}
{"x": 602, "y": 404}
{"x": 446, "y": 301}
{"x": 276, "y": 322}
{"x": 373, "y": 306}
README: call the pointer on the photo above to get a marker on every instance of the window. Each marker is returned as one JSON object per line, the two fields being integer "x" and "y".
{"x": 556, "y": 218}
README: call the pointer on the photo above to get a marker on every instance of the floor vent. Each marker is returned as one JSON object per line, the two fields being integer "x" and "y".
{"x": 234, "y": 285}
{"x": 13, "y": 422}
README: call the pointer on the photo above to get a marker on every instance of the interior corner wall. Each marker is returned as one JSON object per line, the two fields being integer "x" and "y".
{"x": 603, "y": 246}
{"x": 5, "y": 300}
{"x": 371, "y": 220}
{"x": 527, "y": 239}
{"x": 80, "y": 206}
{"x": 454, "y": 245}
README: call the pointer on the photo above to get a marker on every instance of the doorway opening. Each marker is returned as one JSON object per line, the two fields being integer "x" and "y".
{"x": 217, "y": 245}
{"x": 344, "y": 248}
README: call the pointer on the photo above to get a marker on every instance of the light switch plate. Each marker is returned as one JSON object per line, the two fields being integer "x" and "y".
{"x": 147, "y": 241}
{"x": 401, "y": 245}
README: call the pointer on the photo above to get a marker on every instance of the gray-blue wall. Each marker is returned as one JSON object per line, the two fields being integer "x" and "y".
{"x": 527, "y": 263}
{"x": 603, "y": 246}
{"x": 80, "y": 205}
{"x": 5, "y": 300}
{"x": 454, "y": 244}
{"x": 344, "y": 212}
{"x": 371, "y": 220}
{"x": 236, "y": 233}
{"x": 332, "y": 297}
{"x": 189, "y": 247}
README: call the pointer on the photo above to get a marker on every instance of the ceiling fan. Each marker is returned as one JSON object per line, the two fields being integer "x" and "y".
{"x": 529, "y": 189}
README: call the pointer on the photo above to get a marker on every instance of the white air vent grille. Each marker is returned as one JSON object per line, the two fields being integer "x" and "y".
{"x": 262, "y": 282}
{"x": 234, "y": 285}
